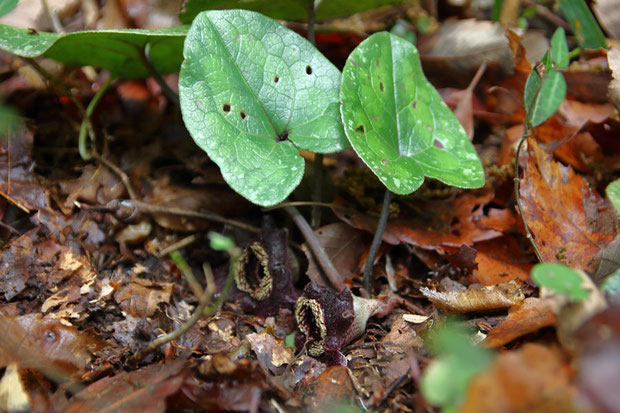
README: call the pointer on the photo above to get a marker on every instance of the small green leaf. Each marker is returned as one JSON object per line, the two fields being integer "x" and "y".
{"x": 444, "y": 382}
{"x": 289, "y": 340}
{"x": 559, "y": 49}
{"x": 253, "y": 92}
{"x": 543, "y": 97}
{"x": 561, "y": 279}
{"x": 613, "y": 193}
{"x": 7, "y": 6}
{"x": 282, "y": 9}
{"x": 220, "y": 242}
{"x": 119, "y": 51}
{"x": 398, "y": 123}
{"x": 580, "y": 18}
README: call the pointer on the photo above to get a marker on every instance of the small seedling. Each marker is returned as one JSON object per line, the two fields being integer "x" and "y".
{"x": 400, "y": 126}
{"x": 560, "y": 279}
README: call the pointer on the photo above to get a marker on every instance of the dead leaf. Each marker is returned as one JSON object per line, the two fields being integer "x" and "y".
{"x": 566, "y": 216}
{"x": 476, "y": 299}
{"x": 141, "y": 297}
{"x": 344, "y": 246}
{"x": 532, "y": 379}
{"x": 16, "y": 263}
{"x": 143, "y": 390}
{"x": 270, "y": 351}
{"x": 527, "y": 317}
{"x": 501, "y": 260}
{"x": 96, "y": 185}
{"x": 439, "y": 223}
{"x": 333, "y": 386}
{"x": 59, "y": 351}
{"x": 13, "y": 395}
{"x": 608, "y": 16}
{"x": 613, "y": 58}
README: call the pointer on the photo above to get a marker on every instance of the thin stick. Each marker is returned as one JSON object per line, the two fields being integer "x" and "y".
{"x": 86, "y": 129}
{"x": 14, "y": 202}
{"x": 118, "y": 171}
{"x": 139, "y": 206}
{"x": 315, "y": 247}
{"x": 177, "y": 245}
{"x": 528, "y": 234}
{"x": 376, "y": 242}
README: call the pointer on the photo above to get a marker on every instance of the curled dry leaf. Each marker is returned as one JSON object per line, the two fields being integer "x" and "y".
{"x": 141, "y": 297}
{"x": 527, "y": 317}
{"x": 569, "y": 220}
{"x": 474, "y": 300}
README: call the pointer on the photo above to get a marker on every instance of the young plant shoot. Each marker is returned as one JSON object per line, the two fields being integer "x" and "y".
{"x": 400, "y": 126}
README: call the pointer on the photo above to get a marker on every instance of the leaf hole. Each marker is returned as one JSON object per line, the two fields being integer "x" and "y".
{"x": 384, "y": 161}
{"x": 226, "y": 107}
{"x": 414, "y": 104}
{"x": 378, "y": 63}
{"x": 374, "y": 117}
{"x": 360, "y": 129}
{"x": 438, "y": 144}
{"x": 276, "y": 79}
{"x": 242, "y": 114}
{"x": 308, "y": 70}
{"x": 381, "y": 87}
{"x": 283, "y": 136}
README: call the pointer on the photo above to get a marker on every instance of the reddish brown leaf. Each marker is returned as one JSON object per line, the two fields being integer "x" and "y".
{"x": 529, "y": 316}
{"x": 15, "y": 264}
{"x": 533, "y": 379}
{"x": 500, "y": 261}
{"x": 143, "y": 390}
{"x": 566, "y": 216}
{"x": 47, "y": 345}
{"x": 439, "y": 224}
{"x": 332, "y": 386}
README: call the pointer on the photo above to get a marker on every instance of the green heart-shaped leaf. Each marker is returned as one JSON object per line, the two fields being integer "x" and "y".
{"x": 561, "y": 279}
{"x": 119, "y": 51}
{"x": 398, "y": 123}
{"x": 252, "y": 92}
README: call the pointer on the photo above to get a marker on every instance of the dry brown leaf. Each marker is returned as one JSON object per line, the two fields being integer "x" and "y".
{"x": 141, "y": 298}
{"x": 529, "y": 316}
{"x": 270, "y": 351}
{"x": 613, "y": 59}
{"x": 13, "y": 395}
{"x": 474, "y": 300}
{"x": 532, "y": 379}
{"x": 344, "y": 246}
{"x": 570, "y": 222}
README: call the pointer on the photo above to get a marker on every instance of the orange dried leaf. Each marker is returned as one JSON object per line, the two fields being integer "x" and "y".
{"x": 529, "y": 316}
{"x": 501, "y": 260}
{"x": 566, "y": 216}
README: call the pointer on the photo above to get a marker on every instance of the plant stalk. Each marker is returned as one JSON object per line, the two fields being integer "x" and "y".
{"x": 376, "y": 242}
{"x": 86, "y": 129}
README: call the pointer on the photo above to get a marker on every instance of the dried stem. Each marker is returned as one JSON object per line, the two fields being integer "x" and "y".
{"x": 315, "y": 247}
{"x": 118, "y": 171}
{"x": 376, "y": 242}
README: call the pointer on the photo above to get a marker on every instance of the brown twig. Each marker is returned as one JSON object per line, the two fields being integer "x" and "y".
{"x": 117, "y": 170}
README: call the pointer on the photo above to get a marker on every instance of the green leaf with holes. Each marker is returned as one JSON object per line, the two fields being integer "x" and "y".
{"x": 397, "y": 122}
{"x": 543, "y": 96}
{"x": 282, "y": 9}
{"x": 119, "y": 51}
{"x": 254, "y": 92}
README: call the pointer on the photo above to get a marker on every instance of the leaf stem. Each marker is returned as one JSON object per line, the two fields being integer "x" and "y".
{"x": 86, "y": 129}
{"x": 376, "y": 242}
{"x": 528, "y": 234}
{"x": 170, "y": 94}
{"x": 315, "y": 247}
